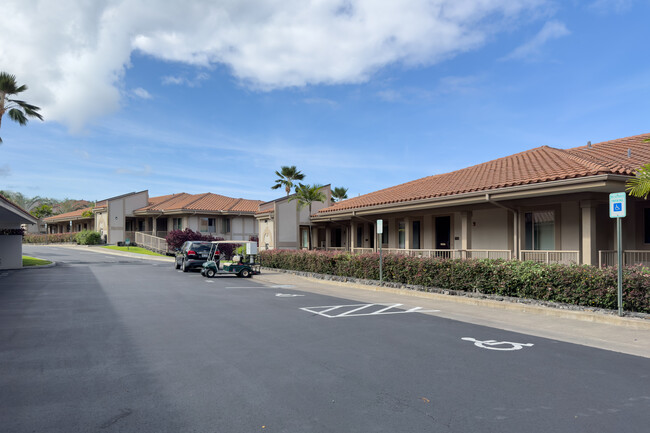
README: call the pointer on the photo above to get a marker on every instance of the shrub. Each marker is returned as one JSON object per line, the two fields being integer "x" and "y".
{"x": 176, "y": 238}
{"x": 572, "y": 284}
{"x": 88, "y": 237}
{"x": 52, "y": 238}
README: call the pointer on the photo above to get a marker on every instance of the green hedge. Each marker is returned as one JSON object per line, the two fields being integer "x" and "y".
{"x": 88, "y": 237}
{"x": 53, "y": 238}
{"x": 571, "y": 284}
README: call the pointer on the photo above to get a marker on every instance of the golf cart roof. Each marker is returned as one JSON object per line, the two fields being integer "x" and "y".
{"x": 233, "y": 242}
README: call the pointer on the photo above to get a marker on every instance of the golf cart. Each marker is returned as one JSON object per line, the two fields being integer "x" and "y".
{"x": 217, "y": 263}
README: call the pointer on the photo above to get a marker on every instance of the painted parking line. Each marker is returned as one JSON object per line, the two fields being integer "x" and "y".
{"x": 287, "y": 295}
{"x": 357, "y": 310}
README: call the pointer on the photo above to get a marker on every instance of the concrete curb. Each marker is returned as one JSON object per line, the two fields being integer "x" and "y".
{"x": 638, "y": 321}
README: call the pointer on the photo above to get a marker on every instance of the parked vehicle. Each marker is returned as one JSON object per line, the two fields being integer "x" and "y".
{"x": 192, "y": 254}
{"x": 237, "y": 265}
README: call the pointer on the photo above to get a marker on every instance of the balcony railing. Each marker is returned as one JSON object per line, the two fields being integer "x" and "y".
{"x": 630, "y": 257}
{"x": 551, "y": 256}
{"x": 453, "y": 254}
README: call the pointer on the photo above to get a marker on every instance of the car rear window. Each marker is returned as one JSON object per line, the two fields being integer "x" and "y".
{"x": 203, "y": 248}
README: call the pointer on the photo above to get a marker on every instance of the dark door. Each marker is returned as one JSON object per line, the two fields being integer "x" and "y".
{"x": 443, "y": 232}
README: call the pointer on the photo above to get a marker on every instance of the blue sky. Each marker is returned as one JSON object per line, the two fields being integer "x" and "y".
{"x": 218, "y": 104}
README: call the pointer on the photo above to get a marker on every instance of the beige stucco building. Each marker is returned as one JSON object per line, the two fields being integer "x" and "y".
{"x": 135, "y": 214}
{"x": 284, "y": 224}
{"x": 544, "y": 204}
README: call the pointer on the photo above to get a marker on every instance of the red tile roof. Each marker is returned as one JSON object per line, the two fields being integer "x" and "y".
{"x": 538, "y": 165}
{"x": 77, "y": 214}
{"x": 201, "y": 202}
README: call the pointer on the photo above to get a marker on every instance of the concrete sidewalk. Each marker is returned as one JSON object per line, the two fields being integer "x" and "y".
{"x": 604, "y": 331}
{"x": 99, "y": 249}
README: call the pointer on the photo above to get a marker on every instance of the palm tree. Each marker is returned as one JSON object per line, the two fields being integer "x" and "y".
{"x": 23, "y": 201}
{"x": 639, "y": 186}
{"x": 306, "y": 195}
{"x": 286, "y": 176}
{"x": 339, "y": 193}
{"x": 17, "y": 110}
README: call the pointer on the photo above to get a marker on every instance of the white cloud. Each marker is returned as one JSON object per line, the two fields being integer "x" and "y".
{"x": 144, "y": 171}
{"x": 190, "y": 82}
{"x": 141, "y": 93}
{"x": 5, "y": 170}
{"x": 606, "y": 6}
{"x": 532, "y": 48}
{"x": 74, "y": 54}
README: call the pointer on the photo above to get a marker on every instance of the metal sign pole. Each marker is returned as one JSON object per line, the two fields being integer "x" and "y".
{"x": 619, "y": 242}
{"x": 378, "y": 239}
{"x": 381, "y": 273}
{"x": 618, "y": 210}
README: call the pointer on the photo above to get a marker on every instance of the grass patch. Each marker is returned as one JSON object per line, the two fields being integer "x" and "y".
{"x": 31, "y": 261}
{"x": 136, "y": 250}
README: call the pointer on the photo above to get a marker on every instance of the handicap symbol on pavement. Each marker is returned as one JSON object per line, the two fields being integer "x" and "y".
{"x": 492, "y": 344}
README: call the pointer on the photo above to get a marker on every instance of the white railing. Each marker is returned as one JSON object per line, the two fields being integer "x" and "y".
{"x": 453, "y": 254}
{"x": 551, "y": 256}
{"x": 358, "y": 250}
{"x": 630, "y": 257}
{"x": 152, "y": 243}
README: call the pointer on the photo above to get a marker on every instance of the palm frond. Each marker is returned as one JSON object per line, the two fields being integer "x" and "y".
{"x": 17, "y": 116}
{"x": 639, "y": 186}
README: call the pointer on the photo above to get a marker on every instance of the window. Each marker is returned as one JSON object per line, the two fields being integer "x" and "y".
{"x": 177, "y": 223}
{"x": 646, "y": 220}
{"x": 207, "y": 225}
{"x": 305, "y": 238}
{"x": 384, "y": 235}
{"x": 225, "y": 225}
{"x": 359, "y": 235}
{"x": 416, "y": 235}
{"x": 402, "y": 234}
{"x": 540, "y": 230}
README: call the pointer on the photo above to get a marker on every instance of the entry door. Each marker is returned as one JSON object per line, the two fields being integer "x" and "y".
{"x": 443, "y": 233}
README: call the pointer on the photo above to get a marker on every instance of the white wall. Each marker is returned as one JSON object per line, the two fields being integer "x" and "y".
{"x": 11, "y": 251}
{"x": 490, "y": 229}
{"x": 287, "y": 220}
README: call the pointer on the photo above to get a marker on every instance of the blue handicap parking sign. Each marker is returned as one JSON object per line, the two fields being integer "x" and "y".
{"x": 618, "y": 207}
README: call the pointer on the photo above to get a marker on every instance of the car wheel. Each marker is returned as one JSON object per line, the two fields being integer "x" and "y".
{"x": 245, "y": 273}
{"x": 210, "y": 273}
{"x": 184, "y": 267}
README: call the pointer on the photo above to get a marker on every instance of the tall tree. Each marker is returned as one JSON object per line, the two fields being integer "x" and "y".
{"x": 306, "y": 195}
{"x": 339, "y": 193}
{"x": 286, "y": 176}
{"x": 42, "y": 211}
{"x": 23, "y": 201}
{"x": 17, "y": 110}
{"x": 639, "y": 186}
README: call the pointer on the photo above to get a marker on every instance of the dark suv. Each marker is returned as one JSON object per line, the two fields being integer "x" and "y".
{"x": 192, "y": 255}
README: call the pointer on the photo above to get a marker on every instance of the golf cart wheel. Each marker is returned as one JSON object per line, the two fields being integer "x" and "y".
{"x": 184, "y": 267}
{"x": 176, "y": 265}
{"x": 245, "y": 273}
{"x": 209, "y": 273}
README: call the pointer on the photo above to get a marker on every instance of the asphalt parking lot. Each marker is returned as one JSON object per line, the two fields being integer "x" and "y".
{"x": 112, "y": 343}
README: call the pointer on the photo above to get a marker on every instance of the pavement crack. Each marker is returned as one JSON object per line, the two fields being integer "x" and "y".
{"x": 123, "y": 414}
